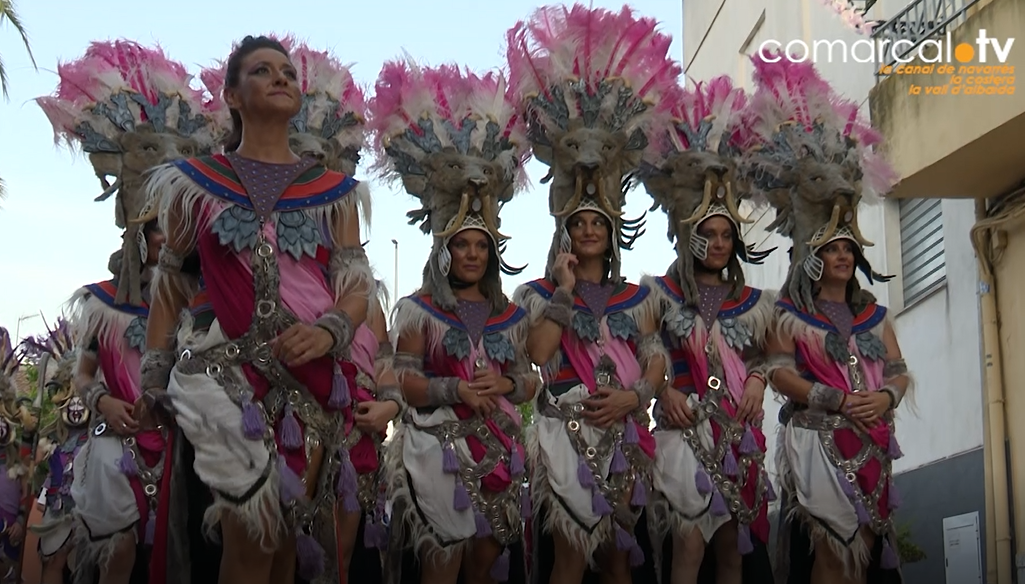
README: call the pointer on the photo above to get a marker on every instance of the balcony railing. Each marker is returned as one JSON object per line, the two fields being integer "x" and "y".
{"x": 919, "y": 21}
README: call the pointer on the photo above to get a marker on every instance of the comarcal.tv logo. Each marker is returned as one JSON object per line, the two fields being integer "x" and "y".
{"x": 973, "y": 68}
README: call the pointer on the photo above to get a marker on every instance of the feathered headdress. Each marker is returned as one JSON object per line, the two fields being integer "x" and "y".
{"x": 130, "y": 108}
{"x": 455, "y": 140}
{"x": 10, "y": 360}
{"x": 331, "y": 124}
{"x": 587, "y": 80}
{"x": 56, "y": 368}
{"x": 690, "y": 170}
{"x": 816, "y": 163}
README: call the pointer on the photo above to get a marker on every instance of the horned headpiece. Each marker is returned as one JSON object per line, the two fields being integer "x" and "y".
{"x": 455, "y": 140}
{"x": 130, "y": 108}
{"x": 330, "y": 126}
{"x": 691, "y": 171}
{"x": 816, "y": 164}
{"x": 587, "y": 80}
{"x": 12, "y": 410}
{"x": 56, "y": 368}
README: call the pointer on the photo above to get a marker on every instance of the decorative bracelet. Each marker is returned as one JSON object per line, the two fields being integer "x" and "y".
{"x": 560, "y": 308}
{"x": 645, "y": 392}
{"x": 155, "y": 369}
{"x": 823, "y": 397}
{"x": 895, "y": 393}
{"x": 759, "y": 377}
{"x": 519, "y": 393}
{"x": 339, "y": 325}
{"x": 91, "y": 395}
{"x": 169, "y": 261}
{"x": 392, "y": 393}
{"x": 443, "y": 391}
{"x": 894, "y": 368}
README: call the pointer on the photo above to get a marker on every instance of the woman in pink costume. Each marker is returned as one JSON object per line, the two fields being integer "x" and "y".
{"x": 131, "y": 109}
{"x": 834, "y": 356}
{"x": 262, "y": 391}
{"x": 711, "y": 486}
{"x": 457, "y": 462}
{"x": 588, "y": 81}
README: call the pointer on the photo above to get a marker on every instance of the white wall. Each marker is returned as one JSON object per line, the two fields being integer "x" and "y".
{"x": 939, "y": 334}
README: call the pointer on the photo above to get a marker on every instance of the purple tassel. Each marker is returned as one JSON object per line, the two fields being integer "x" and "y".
{"x": 253, "y": 425}
{"x": 340, "y": 397}
{"x": 151, "y": 528}
{"x": 310, "y": 557}
{"x": 771, "y": 492}
{"x": 863, "y": 517}
{"x": 719, "y": 505}
{"x": 845, "y": 485}
{"x": 599, "y": 506}
{"x": 500, "y": 569}
{"x": 630, "y": 434}
{"x": 703, "y": 482}
{"x": 888, "y": 560}
{"x": 744, "y": 543}
{"x": 372, "y": 535}
{"x": 449, "y": 462}
{"x": 291, "y": 433}
{"x": 747, "y": 443}
{"x": 584, "y": 474}
{"x": 640, "y": 494}
{"x": 126, "y": 464}
{"x": 526, "y": 505}
{"x": 893, "y": 497}
{"x": 289, "y": 484}
{"x": 483, "y": 526}
{"x": 346, "y": 484}
{"x": 636, "y": 556}
{"x": 729, "y": 462}
{"x": 624, "y": 541}
{"x": 618, "y": 462}
{"x": 461, "y": 499}
{"x": 516, "y": 461}
{"x": 893, "y": 451}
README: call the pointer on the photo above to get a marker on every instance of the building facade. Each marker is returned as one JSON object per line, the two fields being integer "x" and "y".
{"x": 922, "y": 240}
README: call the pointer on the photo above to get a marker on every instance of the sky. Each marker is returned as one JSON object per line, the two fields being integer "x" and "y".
{"x": 54, "y": 238}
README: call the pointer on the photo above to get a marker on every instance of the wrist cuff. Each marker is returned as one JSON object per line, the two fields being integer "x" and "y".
{"x": 823, "y": 397}
{"x": 339, "y": 324}
{"x": 155, "y": 369}
{"x": 443, "y": 391}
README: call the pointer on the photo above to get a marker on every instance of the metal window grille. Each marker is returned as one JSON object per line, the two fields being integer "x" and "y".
{"x": 923, "y": 263}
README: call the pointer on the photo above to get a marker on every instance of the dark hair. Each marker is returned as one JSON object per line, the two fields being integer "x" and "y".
{"x": 245, "y": 48}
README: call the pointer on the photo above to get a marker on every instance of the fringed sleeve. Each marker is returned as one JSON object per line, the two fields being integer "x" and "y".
{"x": 349, "y": 268}
{"x": 521, "y": 371}
{"x": 653, "y": 311}
{"x": 539, "y": 308}
{"x": 179, "y": 204}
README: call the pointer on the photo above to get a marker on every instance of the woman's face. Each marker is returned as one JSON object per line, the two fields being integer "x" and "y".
{"x": 719, "y": 233}
{"x": 589, "y": 232}
{"x": 155, "y": 239}
{"x": 837, "y": 261}
{"x": 267, "y": 85}
{"x": 469, "y": 251}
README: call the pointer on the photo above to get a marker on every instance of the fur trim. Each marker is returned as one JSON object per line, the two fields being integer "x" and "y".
{"x": 260, "y": 514}
{"x": 534, "y": 304}
{"x": 91, "y": 319}
{"x": 97, "y": 552}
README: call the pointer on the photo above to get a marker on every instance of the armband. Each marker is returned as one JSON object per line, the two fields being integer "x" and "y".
{"x": 560, "y": 308}
{"x": 339, "y": 325}
{"x": 155, "y": 369}
{"x": 823, "y": 397}
{"x": 443, "y": 391}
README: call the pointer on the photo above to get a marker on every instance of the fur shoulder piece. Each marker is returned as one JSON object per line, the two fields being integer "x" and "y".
{"x": 95, "y": 315}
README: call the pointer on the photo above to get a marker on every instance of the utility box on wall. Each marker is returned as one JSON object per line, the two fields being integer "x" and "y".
{"x": 962, "y": 549}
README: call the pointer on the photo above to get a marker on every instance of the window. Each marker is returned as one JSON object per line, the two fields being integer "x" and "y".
{"x": 923, "y": 265}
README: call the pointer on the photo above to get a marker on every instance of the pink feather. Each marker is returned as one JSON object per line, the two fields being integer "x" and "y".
{"x": 681, "y": 106}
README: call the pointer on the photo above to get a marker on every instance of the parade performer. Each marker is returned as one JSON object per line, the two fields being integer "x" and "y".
{"x": 457, "y": 464}
{"x": 589, "y": 81}
{"x": 330, "y": 128}
{"x": 261, "y": 390}
{"x": 17, "y": 429}
{"x": 130, "y": 109}
{"x": 710, "y": 482}
{"x": 834, "y": 354}
{"x": 60, "y": 441}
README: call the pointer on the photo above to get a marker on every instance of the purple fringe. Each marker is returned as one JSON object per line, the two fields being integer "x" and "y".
{"x": 151, "y": 528}
{"x": 748, "y": 445}
{"x": 253, "y": 424}
{"x": 483, "y": 526}
{"x": 526, "y": 504}
{"x": 624, "y": 541}
{"x": 500, "y": 569}
{"x": 630, "y": 432}
{"x": 310, "y": 557}
{"x": 618, "y": 462}
{"x": 863, "y": 516}
{"x": 744, "y": 543}
{"x": 516, "y": 461}
{"x": 702, "y": 481}
{"x": 291, "y": 433}
{"x": 346, "y": 484}
{"x": 126, "y": 464}
{"x": 729, "y": 462}
{"x": 584, "y": 474}
{"x": 460, "y": 499}
{"x": 340, "y": 397}
{"x": 374, "y": 536}
{"x": 718, "y": 507}
{"x": 599, "y": 506}
{"x": 888, "y": 560}
{"x": 640, "y": 494}
{"x": 449, "y": 462}
{"x": 893, "y": 497}
{"x": 893, "y": 451}
{"x": 289, "y": 484}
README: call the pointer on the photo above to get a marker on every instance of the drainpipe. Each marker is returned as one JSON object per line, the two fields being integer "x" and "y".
{"x": 993, "y": 370}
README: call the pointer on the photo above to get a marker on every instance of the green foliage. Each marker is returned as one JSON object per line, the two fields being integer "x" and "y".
{"x": 527, "y": 412}
{"x": 906, "y": 548}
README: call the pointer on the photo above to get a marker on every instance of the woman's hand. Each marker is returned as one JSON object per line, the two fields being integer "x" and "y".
{"x": 481, "y": 404}
{"x": 302, "y": 343}
{"x": 562, "y": 271}
{"x": 750, "y": 406}
{"x": 676, "y": 409}
{"x": 119, "y": 415}
{"x": 869, "y": 407}
{"x": 154, "y": 409}
{"x": 608, "y": 406}
{"x": 373, "y": 417}
{"x": 488, "y": 383}
{"x": 851, "y": 401}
